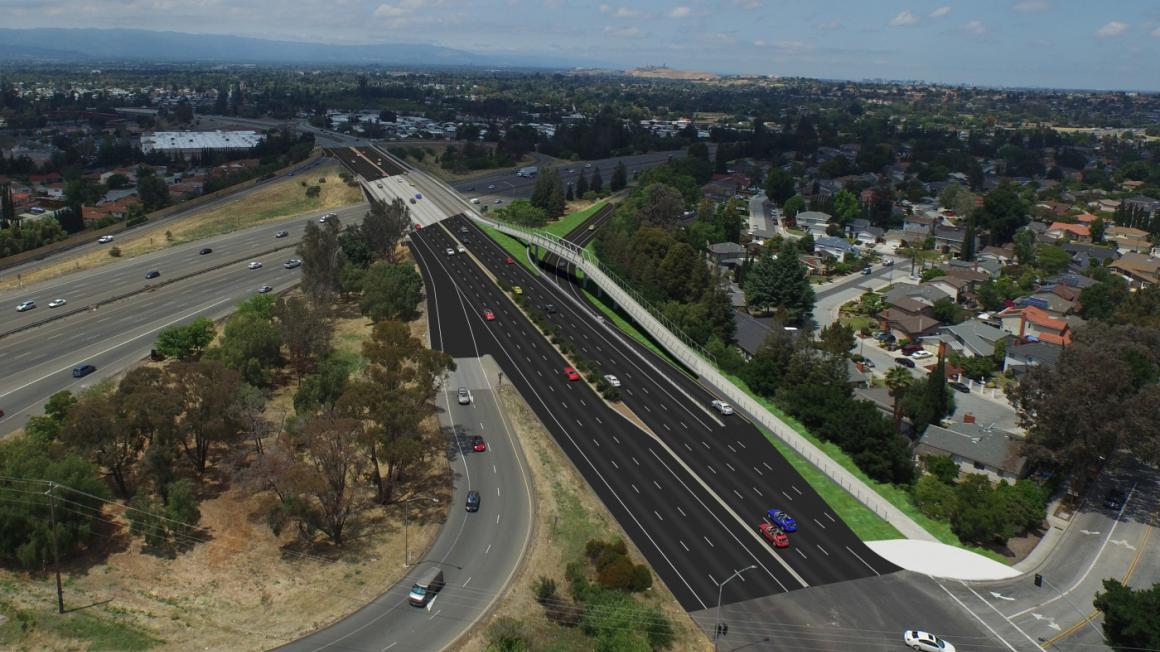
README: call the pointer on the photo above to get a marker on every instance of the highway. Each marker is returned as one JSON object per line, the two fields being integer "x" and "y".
{"x": 38, "y": 360}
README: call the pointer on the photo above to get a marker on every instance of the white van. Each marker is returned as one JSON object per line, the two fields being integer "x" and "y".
{"x": 475, "y": 201}
{"x": 426, "y": 586}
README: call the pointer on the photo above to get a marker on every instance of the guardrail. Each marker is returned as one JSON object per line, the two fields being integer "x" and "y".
{"x": 694, "y": 357}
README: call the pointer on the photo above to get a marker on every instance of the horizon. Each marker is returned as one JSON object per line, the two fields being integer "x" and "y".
{"x": 1031, "y": 44}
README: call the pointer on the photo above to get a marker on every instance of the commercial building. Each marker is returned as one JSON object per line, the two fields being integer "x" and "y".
{"x": 192, "y": 143}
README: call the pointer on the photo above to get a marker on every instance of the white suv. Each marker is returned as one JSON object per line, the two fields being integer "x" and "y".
{"x": 722, "y": 407}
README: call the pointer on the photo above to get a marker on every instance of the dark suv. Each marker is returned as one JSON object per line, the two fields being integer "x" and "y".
{"x": 473, "y": 501}
{"x": 1114, "y": 500}
{"x": 80, "y": 371}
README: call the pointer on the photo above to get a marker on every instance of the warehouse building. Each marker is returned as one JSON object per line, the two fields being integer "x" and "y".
{"x": 192, "y": 143}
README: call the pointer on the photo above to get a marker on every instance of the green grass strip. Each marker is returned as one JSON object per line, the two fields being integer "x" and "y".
{"x": 565, "y": 225}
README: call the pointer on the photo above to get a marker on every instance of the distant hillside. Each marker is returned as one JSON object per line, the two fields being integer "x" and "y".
{"x": 71, "y": 45}
{"x": 663, "y": 72}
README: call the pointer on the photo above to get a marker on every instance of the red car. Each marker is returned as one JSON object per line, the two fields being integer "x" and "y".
{"x": 571, "y": 373}
{"x": 477, "y": 444}
{"x": 509, "y": 260}
{"x": 773, "y": 535}
{"x": 489, "y": 315}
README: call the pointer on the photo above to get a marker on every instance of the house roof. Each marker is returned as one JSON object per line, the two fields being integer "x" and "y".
{"x": 975, "y": 336}
{"x": 726, "y": 249}
{"x": 817, "y": 217}
{"x": 833, "y": 242}
{"x": 1041, "y": 319}
{"x": 1035, "y": 352}
{"x": 992, "y": 447}
{"x": 906, "y": 304}
{"x": 909, "y": 323}
{"x": 966, "y": 273}
{"x": 1078, "y": 230}
{"x": 1142, "y": 266}
{"x": 950, "y": 234}
{"x": 951, "y": 280}
{"x": 1118, "y": 232}
{"x": 1055, "y": 303}
{"x": 924, "y": 292}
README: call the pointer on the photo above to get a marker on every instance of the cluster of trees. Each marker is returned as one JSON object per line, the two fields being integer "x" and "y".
{"x": 978, "y": 511}
{"x": 473, "y": 156}
{"x": 779, "y": 283}
{"x": 1130, "y": 621}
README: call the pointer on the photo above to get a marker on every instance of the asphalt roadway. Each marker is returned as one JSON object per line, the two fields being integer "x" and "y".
{"x": 38, "y": 360}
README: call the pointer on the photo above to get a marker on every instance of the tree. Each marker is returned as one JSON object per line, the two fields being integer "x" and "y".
{"x": 322, "y": 260}
{"x": 793, "y": 206}
{"x": 1130, "y": 621}
{"x": 935, "y": 498}
{"x": 1025, "y": 247}
{"x": 151, "y": 190}
{"x": 210, "y": 395}
{"x": 582, "y": 184}
{"x": 251, "y": 344}
{"x": 1051, "y": 259}
{"x": 384, "y": 225}
{"x": 1003, "y": 213}
{"x": 596, "y": 185}
{"x": 524, "y": 213}
{"x": 548, "y": 194}
{"x": 779, "y": 185}
{"x": 845, "y": 206}
{"x": 942, "y": 467}
{"x": 92, "y": 431}
{"x": 186, "y": 342}
{"x": 391, "y": 291}
{"x": 836, "y": 339}
{"x": 619, "y": 177}
{"x": 969, "y": 239}
{"x": 306, "y": 329}
{"x": 898, "y": 382}
{"x": 332, "y": 457}
{"x": 661, "y": 206}
{"x": 323, "y": 388}
{"x": 780, "y": 283}
{"x": 1098, "y": 229}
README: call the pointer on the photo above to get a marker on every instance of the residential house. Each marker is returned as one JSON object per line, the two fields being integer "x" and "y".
{"x": 895, "y": 238}
{"x": 1004, "y": 254}
{"x": 1147, "y": 205}
{"x": 919, "y": 224}
{"x": 969, "y": 271}
{"x": 976, "y": 449}
{"x": 1066, "y": 231}
{"x": 814, "y": 264}
{"x": 1054, "y": 304}
{"x": 727, "y": 253}
{"x": 954, "y": 286}
{"x": 1021, "y": 357}
{"x": 1084, "y": 255}
{"x": 908, "y": 318}
{"x": 856, "y": 374}
{"x": 1029, "y": 322}
{"x": 951, "y": 238}
{"x": 1140, "y": 270}
{"x": 973, "y": 338}
{"x": 837, "y": 247}
{"x": 1127, "y": 239}
{"x": 924, "y": 293}
{"x": 863, "y": 232}
{"x": 814, "y": 222}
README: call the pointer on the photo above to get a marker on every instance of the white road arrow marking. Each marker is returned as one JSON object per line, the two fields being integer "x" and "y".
{"x": 1088, "y": 532}
{"x": 1122, "y": 542}
{"x": 1050, "y": 621}
{"x": 1000, "y": 596}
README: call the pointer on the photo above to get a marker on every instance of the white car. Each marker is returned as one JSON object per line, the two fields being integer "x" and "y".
{"x": 925, "y": 641}
{"x": 921, "y": 355}
{"x": 56, "y": 303}
{"x": 460, "y": 249}
{"x": 491, "y": 187}
{"x": 722, "y": 407}
{"x": 464, "y": 396}
{"x": 612, "y": 380}
{"x": 105, "y": 239}
{"x": 255, "y": 265}
{"x": 26, "y": 306}
{"x": 450, "y": 251}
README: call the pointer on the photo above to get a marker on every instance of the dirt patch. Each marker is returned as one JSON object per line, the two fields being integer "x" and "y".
{"x": 568, "y": 514}
{"x": 271, "y": 202}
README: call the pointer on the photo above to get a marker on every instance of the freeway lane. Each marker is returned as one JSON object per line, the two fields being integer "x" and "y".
{"x": 676, "y": 523}
{"x": 83, "y": 288}
{"x": 729, "y": 453}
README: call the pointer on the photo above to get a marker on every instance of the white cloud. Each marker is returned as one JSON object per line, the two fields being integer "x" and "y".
{"x": 748, "y": 4}
{"x": 1114, "y": 28}
{"x": 975, "y": 27}
{"x": 680, "y": 12}
{"x": 623, "y": 32}
{"x": 941, "y": 11}
{"x": 904, "y": 19}
{"x": 390, "y": 11}
{"x": 720, "y": 38}
{"x": 828, "y": 25}
{"x": 1028, "y": 6}
{"x": 759, "y": 43}
{"x": 625, "y": 12}
{"x": 605, "y": 9}
{"x": 1156, "y": 32}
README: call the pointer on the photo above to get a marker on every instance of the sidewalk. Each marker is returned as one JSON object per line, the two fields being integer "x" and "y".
{"x": 941, "y": 560}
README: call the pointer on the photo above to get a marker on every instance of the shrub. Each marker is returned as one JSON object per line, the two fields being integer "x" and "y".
{"x": 115, "y": 252}
{"x": 545, "y": 588}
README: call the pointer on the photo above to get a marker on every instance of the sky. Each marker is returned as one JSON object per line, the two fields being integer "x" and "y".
{"x": 1108, "y": 44}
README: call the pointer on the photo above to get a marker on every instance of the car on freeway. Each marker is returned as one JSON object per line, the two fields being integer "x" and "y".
{"x": 491, "y": 187}
{"x": 587, "y": 165}
{"x": 292, "y": 263}
{"x": 591, "y": 227}
{"x": 281, "y": 234}
{"x": 26, "y": 306}
{"x": 959, "y": 387}
{"x": 254, "y": 264}
{"x": 509, "y": 260}
{"x": 925, "y": 641}
{"x": 153, "y": 274}
{"x": 265, "y": 289}
{"x": 418, "y": 195}
{"x": 782, "y": 520}
{"x": 473, "y": 501}
{"x": 499, "y": 201}
{"x": 82, "y": 370}
{"x": 464, "y": 396}
{"x": 1114, "y": 499}
{"x": 205, "y": 251}
{"x": 904, "y": 362}
{"x": 921, "y": 355}
{"x": 56, "y": 303}
{"x": 571, "y": 373}
{"x": 517, "y": 289}
{"x": 889, "y": 262}
{"x": 722, "y": 407}
{"x": 478, "y": 444}
{"x": 866, "y": 271}
{"x": 469, "y": 188}
{"x": 324, "y": 218}
{"x": 773, "y": 535}
{"x": 105, "y": 239}
{"x": 488, "y": 314}
{"x": 412, "y": 200}
{"x": 461, "y": 249}
{"x": 450, "y": 251}
{"x": 551, "y": 308}
{"x": 463, "y": 230}
{"x": 612, "y": 380}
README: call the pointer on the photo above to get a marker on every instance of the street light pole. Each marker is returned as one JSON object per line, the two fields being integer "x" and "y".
{"x": 720, "y": 590}
{"x": 406, "y": 525}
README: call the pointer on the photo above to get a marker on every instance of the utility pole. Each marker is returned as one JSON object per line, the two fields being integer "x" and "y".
{"x": 55, "y": 552}
{"x": 721, "y": 629}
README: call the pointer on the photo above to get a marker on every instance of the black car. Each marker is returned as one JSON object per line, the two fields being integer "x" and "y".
{"x": 281, "y": 234}
{"x": 153, "y": 274}
{"x": 473, "y": 501}
{"x": 959, "y": 387}
{"x": 205, "y": 251}
{"x": 80, "y": 371}
{"x": 551, "y": 308}
{"x": 1114, "y": 500}
{"x": 904, "y": 362}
